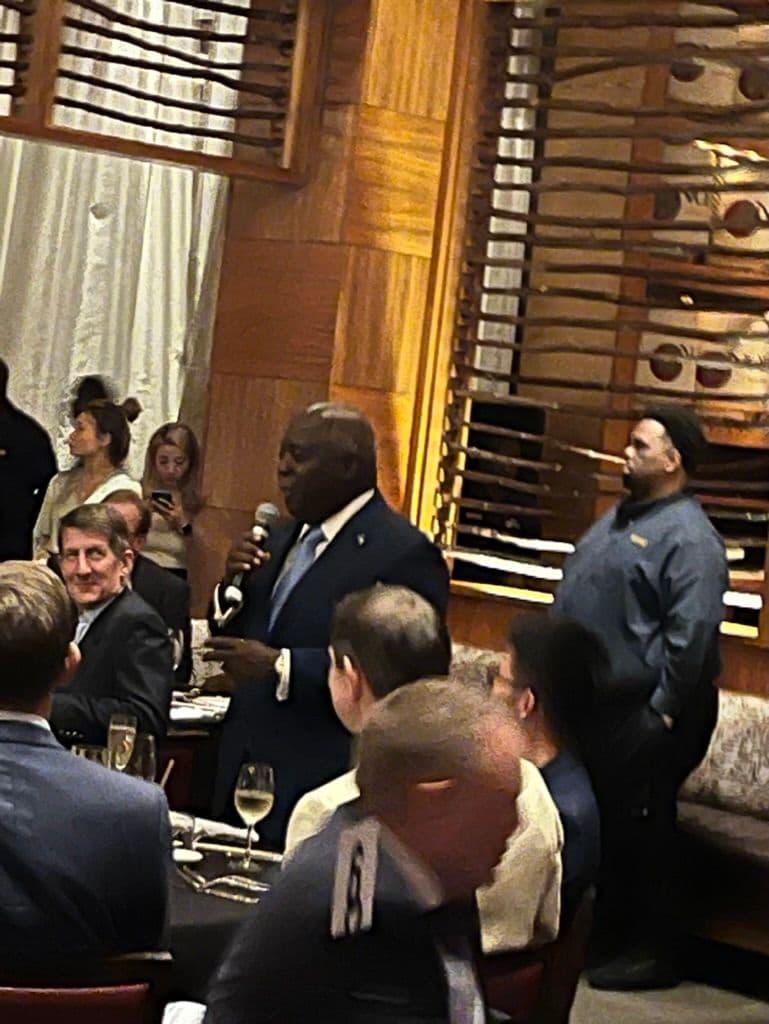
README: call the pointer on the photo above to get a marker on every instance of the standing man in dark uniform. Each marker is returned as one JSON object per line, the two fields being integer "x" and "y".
{"x": 649, "y": 578}
{"x": 342, "y": 537}
{"x": 27, "y": 463}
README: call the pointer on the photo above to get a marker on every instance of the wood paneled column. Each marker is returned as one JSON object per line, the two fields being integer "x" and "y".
{"x": 323, "y": 287}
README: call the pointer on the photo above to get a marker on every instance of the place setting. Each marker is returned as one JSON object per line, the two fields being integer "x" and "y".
{"x": 217, "y": 859}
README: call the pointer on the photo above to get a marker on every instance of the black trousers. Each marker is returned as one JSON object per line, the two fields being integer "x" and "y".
{"x": 637, "y": 766}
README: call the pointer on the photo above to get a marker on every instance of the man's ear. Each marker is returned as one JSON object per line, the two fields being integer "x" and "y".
{"x": 528, "y": 703}
{"x": 674, "y": 460}
{"x": 353, "y": 677}
{"x": 128, "y": 560}
{"x": 71, "y": 662}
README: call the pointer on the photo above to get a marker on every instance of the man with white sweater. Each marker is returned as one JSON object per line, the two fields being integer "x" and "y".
{"x": 386, "y": 637}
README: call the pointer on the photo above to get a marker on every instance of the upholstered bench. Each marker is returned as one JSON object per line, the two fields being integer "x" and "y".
{"x": 724, "y": 825}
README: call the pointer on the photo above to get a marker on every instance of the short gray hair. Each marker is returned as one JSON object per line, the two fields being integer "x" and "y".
{"x": 431, "y": 730}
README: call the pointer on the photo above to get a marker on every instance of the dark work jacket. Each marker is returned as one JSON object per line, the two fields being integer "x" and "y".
{"x": 126, "y": 667}
{"x": 284, "y": 965}
{"x": 649, "y": 579}
{"x": 301, "y": 737}
{"x": 27, "y": 463}
{"x": 84, "y": 853}
{"x": 569, "y": 785}
{"x": 169, "y": 595}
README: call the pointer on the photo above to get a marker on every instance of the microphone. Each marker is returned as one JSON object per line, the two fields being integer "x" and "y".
{"x": 265, "y": 517}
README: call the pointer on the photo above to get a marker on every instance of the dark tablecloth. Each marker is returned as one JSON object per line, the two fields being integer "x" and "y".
{"x": 201, "y": 927}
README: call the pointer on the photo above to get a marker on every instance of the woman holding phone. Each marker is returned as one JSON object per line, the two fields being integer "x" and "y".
{"x": 170, "y": 483}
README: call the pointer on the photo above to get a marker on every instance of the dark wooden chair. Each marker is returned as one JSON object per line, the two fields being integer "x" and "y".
{"x": 126, "y": 989}
{"x": 564, "y": 961}
{"x": 117, "y": 1004}
{"x": 538, "y": 986}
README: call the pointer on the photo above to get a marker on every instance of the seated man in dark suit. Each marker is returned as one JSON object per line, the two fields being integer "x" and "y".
{"x": 342, "y": 537}
{"x": 549, "y": 678}
{"x": 83, "y": 850}
{"x": 164, "y": 591}
{"x": 371, "y": 920}
{"x": 127, "y": 665}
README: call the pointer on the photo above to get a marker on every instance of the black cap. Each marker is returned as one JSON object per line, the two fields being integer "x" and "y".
{"x": 684, "y": 429}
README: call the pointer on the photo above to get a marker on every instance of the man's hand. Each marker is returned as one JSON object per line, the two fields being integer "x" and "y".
{"x": 243, "y": 556}
{"x": 242, "y": 659}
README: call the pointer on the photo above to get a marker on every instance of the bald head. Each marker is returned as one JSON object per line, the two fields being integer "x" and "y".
{"x": 327, "y": 458}
{"x": 438, "y": 764}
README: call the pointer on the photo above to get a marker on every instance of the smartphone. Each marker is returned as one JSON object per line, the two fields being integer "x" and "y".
{"x": 163, "y": 497}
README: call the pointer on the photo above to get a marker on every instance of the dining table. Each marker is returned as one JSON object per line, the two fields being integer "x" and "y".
{"x": 210, "y": 896}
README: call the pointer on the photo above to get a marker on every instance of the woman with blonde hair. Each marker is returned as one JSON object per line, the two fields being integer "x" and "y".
{"x": 170, "y": 483}
{"x": 100, "y": 440}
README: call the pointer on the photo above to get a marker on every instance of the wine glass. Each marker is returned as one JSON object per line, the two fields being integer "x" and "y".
{"x": 144, "y": 758}
{"x": 177, "y": 646}
{"x": 120, "y": 740}
{"x": 254, "y": 797}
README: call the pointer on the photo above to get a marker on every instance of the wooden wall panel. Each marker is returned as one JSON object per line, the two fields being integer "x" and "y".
{"x": 380, "y": 321}
{"x": 246, "y": 425}
{"x": 277, "y": 309}
{"x": 422, "y": 35}
{"x": 348, "y": 51}
{"x": 315, "y": 211}
{"x": 392, "y": 417}
{"x": 394, "y": 175}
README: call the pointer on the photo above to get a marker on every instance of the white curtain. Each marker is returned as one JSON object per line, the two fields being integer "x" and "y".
{"x": 110, "y": 265}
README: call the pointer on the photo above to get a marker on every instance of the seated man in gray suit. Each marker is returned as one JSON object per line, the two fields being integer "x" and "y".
{"x": 369, "y": 922}
{"x": 83, "y": 850}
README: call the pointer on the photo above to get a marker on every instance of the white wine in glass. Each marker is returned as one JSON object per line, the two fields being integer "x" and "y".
{"x": 120, "y": 740}
{"x": 254, "y": 797}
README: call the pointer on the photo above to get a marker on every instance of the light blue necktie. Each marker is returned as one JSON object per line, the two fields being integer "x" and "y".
{"x": 303, "y": 559}
{"x": 81, "y": 629}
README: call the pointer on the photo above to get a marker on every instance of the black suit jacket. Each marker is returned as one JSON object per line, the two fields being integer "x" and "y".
{"x": 126, "y": 667}
{"x": 285, "y": 966}
{"x": 169, "y": 595}
{"x": 27, "y": 463}
{"x": 84, "y": 853}
{"x": 301, "y": 737}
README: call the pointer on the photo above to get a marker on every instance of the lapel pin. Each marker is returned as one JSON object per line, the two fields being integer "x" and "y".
{"x": 361, "y": 539}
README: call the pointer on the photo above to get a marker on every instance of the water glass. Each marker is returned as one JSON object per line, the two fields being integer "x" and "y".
{"x": 143, "y": 762}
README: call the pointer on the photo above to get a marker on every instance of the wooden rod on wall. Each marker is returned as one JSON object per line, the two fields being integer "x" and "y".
{"x": 748, "y": 304}
{"x": 235, "y": 113}
{"x": 174, "y": 129}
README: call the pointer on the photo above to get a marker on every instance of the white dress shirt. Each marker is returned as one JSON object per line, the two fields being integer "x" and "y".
{"x": 27, "y": 717}
{"x": 87, "y": 616}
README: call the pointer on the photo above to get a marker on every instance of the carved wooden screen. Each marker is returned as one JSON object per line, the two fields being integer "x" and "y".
{"x": 231, "y": 86}
{"x": 616, "y": 255}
